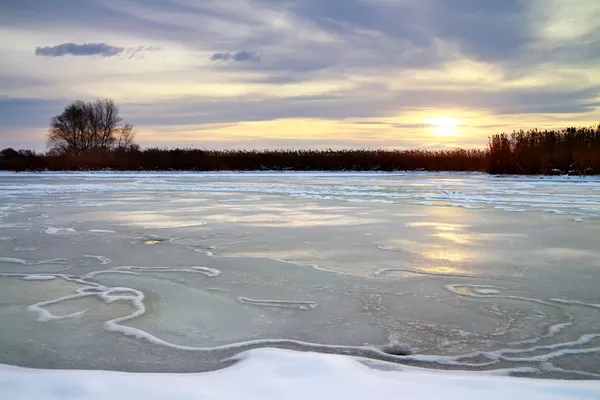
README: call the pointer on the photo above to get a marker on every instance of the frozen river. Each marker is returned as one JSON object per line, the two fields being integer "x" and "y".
{"x": 178, "y": 272}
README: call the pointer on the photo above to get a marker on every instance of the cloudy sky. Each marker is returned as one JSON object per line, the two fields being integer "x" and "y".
{"x": 302, "y": 73}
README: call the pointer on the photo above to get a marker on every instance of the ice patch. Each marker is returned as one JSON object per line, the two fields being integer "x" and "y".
{"x": 39, "y": 278}
{"x": 101, "y": 231}
{"x": 384, "y": 271}
{"x": 475, "y": 290}
{"x": 576, "y": 302}
{"x": 10, "y": 260}
{"x": 103, "y": 260}
{"x": 387, "y": 248}
{"x": 267, "y": 374}
{"x": 467, "y": 206}
{"x": 45, "y": 315}
{"x": 210, "y": 272}
{"x": 133, "y": 270}
{"x": 239, "y": 200}
{"x": 554, "y": 329}
{"x": 510, "y": 209}
{"x": 302, "y": 305}
{"x": 59, "y": 231}
{"x": 26, "y": 248}
{"x": 486, "y": 291}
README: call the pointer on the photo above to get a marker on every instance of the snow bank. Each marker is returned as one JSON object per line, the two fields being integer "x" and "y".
{"x": 282, "y": 374}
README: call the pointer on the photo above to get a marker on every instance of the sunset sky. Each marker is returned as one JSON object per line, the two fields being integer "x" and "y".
{"x": 302, "y": 73}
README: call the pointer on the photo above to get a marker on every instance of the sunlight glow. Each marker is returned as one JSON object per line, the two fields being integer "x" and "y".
{"x": 443, "y": 126}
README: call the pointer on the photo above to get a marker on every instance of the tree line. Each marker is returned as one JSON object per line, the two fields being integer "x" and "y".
{"x": 574, "y": 151}
{"x": 92, "y": 136}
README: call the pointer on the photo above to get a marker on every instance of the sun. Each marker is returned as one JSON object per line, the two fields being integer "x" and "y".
{"x": 443, "y": 126}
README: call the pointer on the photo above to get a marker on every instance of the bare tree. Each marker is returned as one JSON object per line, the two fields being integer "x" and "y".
{"x": 88, "y": 127}
{"x": 125, "y": 137}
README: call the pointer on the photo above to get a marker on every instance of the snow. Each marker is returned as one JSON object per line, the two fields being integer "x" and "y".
{"x": 39, "y": 278}
{"x": 103, "y": 260}
{"x": 284, "y": 374}
{"x": 59, "y": 231}
{"x": 101, "y": 231}
{"x": 487, "y": 291}
{"x": 10, "y": 260}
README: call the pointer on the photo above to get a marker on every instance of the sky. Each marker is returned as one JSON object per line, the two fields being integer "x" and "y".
{"x": 302, "y": 73}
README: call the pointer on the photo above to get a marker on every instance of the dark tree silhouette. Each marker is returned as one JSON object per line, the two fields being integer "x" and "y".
{"x": 575, "y": 151}
{"x": 86, "y": 127}
{"x": 9, "y": 153}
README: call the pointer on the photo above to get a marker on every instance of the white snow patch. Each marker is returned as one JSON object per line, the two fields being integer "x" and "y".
{"x": 387, "y": 248}
{"x": 284, "y": 374}
{"x": 10, "y": 260}
{"x": 510, "y": 209}
{"x": 26, "y": 248}
{"x": 486, "y": 291}
{"x": 210, "y": 272}
{"x": 39, "y": 278}
{"x": 103, "y": 260}
{"x": 576, "y": 302}
{"x": 467, "y": 206}
{"x": 59, "y": 231}
{"x": 101, "y": 231}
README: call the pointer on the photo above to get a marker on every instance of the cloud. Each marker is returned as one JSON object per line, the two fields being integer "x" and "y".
{"x": 93, "y": 49}
{"x": 240, "y": 56}
{"x": 315, "y": 59}
{"x": 74, "y": 49}
{"x": 138, "y": 52}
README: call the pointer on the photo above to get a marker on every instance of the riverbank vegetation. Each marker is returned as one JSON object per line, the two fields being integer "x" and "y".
{"x": 91, "y": 136}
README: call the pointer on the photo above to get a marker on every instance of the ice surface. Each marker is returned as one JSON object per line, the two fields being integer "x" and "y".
{"x": 282, "y": 374}
{"x": 179, "y": 272}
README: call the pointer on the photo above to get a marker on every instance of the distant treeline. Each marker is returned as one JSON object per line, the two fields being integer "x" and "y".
{"x": 575, "y": 151}
{"x": 154, "y": 159}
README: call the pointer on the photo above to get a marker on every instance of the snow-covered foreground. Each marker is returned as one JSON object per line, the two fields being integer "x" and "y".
{"x": 265, "y": 374}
